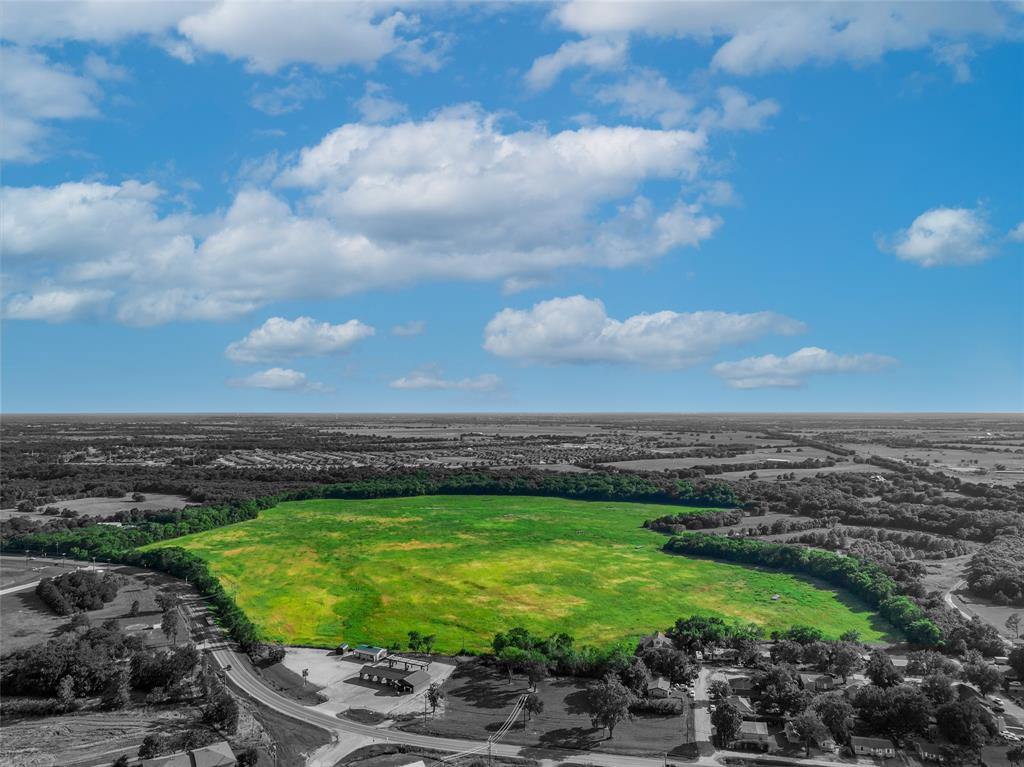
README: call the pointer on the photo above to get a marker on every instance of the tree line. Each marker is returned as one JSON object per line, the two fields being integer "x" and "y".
{"x": 864, "y": 579}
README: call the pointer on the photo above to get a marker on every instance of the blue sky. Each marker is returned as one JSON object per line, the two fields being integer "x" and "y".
{"x": 575, "y": 207}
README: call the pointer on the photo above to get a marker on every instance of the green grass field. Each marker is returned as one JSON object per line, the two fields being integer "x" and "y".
{"x": 464, "y": 567}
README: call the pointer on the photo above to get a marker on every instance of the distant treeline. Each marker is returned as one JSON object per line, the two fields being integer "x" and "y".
{"x": 121, "y": 543}
{"x": 997, "y": 571}
{"x": 864, "y": 579}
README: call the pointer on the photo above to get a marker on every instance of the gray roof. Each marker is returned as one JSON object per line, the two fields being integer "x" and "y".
{"x": 416, "y": 678}
{"x": 858, "y": 740}
{"x": 753, "y": 728}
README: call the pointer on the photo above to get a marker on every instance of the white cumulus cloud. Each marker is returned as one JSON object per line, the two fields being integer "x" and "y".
{"x": 35, "y": 92}
{"x": 453, "y": 197}
{"x": 430, "y": 378}
{"x": 944, "y": 237}
{"x": 278, "y": 338}
{"x": 578, "y": 330}
{"x": 278, "y": 379}
{"x": 593, "y": 52}
{"x": 793, "y": 369}
{"x": 756, "y": 37}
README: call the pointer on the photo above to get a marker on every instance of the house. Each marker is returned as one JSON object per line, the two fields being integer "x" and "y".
{"x": 655, "y": 641}
{"x": 402, "y": 680}
{"x": 817, "y": 682}
{"x": 741, "y": 685}
{"x": 825, "y": 741}
{"x": 214, "y": 755}
{"x": 369, "y": 652}
{"x": 752, "y": 735}
{"x": 743, "y": 705}
{"x": 862, "y": 746}
{"x": 928, "y": 750}
{"x": 724, "y": 654}
{"x": 659, "y": 687}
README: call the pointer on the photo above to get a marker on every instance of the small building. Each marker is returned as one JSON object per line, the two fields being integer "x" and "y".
{"x": 743, "y": 705}
{"x": 659, "y": 687}
{"x": 724, "y": 654}
{"x": 343, "y": 648}
{"x": 928, "y": 750}
{"x": 824, "y": 741}
{"x": 214, "y": 755}
{"x": 400, "y": 679}
{"x": 655, "y": 641}
{"x": 409, "y": 664}
{"x": 741, "y": 685}
{"x": 369, "y": 652}
{"x": 862, "y": 746}
{"x": 752, "y": 735}
{"x": 817, "y": 682}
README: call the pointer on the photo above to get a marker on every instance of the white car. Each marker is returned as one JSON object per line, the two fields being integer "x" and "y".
{"x": 997, "y": 700}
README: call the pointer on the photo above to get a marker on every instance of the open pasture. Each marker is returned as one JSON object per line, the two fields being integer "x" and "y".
{"x": 465, "y": 567}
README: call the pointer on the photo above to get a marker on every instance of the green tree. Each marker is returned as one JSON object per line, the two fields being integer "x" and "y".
{"x": 435, "y": 694}
{"x": 1016, "y": 754}
{"x": 719, "y": 690}
{"x": 512, "y": 658}
{"x": 117, "y": 694}
{"x": 609, "y": 702}
{"x": 881, "y": 671}
{"x": 809, "y": 728}
{"x": 727, "y": 721}
{"x": 835, "y": 713}
{"x": 984, "y": 675}
{"x": 1013, "y": 624}
{"x": 66, "y": 693}
{"x": 415, "y": 641}
{"x": 531, "y": 706}
{"x": 964, "y": 722}
{"x": 939, "y": 688}
{"x": 169, "y": 625}
{"x": 845, "y": 659}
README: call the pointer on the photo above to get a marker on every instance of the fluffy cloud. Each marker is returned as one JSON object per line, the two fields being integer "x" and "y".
{"x": 34, "y": 92}
{"x": 267, "y": 36}
{"x": 410, "y": 328}
{"x": 56, "y": 305}
{"x": 595, "y": 53}
{"x": 578, "y": 330}
{"x": 278, "y": 338}
{"x": 737, "y": 111}
{"x": 376, "y": 106}
{"x": 278, "y": 379}
{"x": 793, "y": 370}
{"x": 646, "y": 95}
{"x": 430, "y": 378}
{"x": 943, "y": 237}
{"x": 755, "y": 37}
{"x": 452, "y": 197}
{"x": 1017, "y": 233}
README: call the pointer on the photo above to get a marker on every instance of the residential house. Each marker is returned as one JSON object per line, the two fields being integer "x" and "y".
{"x": 659, "y": 687}
{"x": 752, "y": 735}
{"x": 214, "y": 755}
{"x": 817, "y": 682}
{"x": 862, "y": 746}
{"x": 824, "y": 742}
{"x": 655, "y": 641}
{"x": 369, "y": 652}
{"x": 741, "y": 685}
{"x": 928, "y": 750}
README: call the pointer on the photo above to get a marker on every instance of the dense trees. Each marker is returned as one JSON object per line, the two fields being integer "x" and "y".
{"x": 78, "y": 590}
{"x": 862, "y": 578}
{"x": 897, "y": 711}
{"x": 997, "y": 570}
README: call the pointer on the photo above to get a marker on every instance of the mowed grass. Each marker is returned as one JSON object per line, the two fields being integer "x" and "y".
{"x": 464, "y": 567}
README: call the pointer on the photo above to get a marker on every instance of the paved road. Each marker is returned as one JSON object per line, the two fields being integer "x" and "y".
{"x": 21, "y": 587}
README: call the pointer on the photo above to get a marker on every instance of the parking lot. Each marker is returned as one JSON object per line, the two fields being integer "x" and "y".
{"x": 339, "y": 678}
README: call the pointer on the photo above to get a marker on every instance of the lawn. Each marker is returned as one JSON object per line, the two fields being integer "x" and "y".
{"x": 464, "y": 567}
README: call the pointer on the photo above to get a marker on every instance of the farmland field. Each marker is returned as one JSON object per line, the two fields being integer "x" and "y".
{"x": 464, "y": 567}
